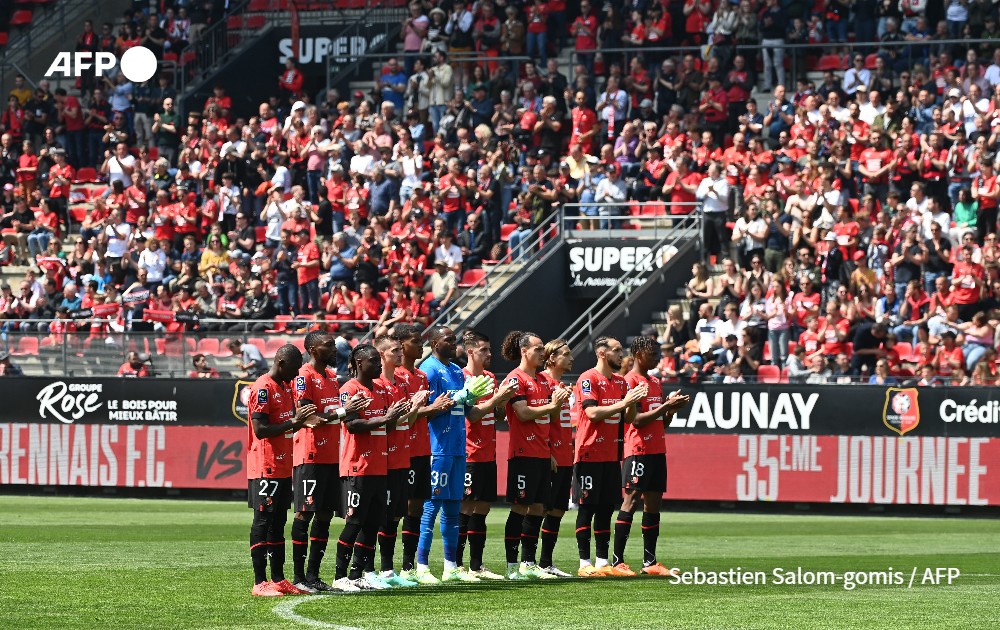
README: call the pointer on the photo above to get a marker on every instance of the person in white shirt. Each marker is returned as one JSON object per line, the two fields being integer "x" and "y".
{"x": 611, "y": 190}
{"x": 919, "y": 201}
{"x": 612, "y": 105}
{"x": 873, "y": 107}
{"x": 837, "y": 111}
{"x": 828, "y": 201}
{"x": 230, "y": 202}
{"x": 935, "y": 214}
{"x": 448, "y": 252}
{"x": 856, "y": 76}
{"x": 118, "y": 166}
{"x": 713, "y": 192}
{"x": 993, "y": 71}
{"x": 363, "y": 160}
{"x": 154, "y": 261}
{"x": 707, "y": 329}
{"x": 973, "y": 106}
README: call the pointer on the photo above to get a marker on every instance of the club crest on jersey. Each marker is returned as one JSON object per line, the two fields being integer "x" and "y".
{"x": 300, "y": 383}
{"x": 262, "y": 396}
{"x": 343, "y": 399}
{"x": 585, "y": 386}
{"x": 512, "y": 381}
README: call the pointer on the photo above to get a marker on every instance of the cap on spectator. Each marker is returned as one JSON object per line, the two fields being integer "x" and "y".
{"x": 303, "y": 231}
{"x": 563, "y": 165}
{"x": 656, "y": 147}
{"x": 733, "y": 338}
{"x": 646, "y": 103}
{"x": 298, "y": 105}
{"x": 412, "y": 114}
{"x": 695, "y": 359}
{"x": 648, "y": 331}
{"x": 830, "y": 236}
{"x": 437, "y": 10}
{"x": 359, "y": 94}
{"x": 440, "y": 262}
{"x": 954, "y": 93}
{"x": 540, "y": 153}
{"x": 140, "y": 239}
{"x": 810, "y": 277}
{"x": 784, "y": 159}
{"x": 859, "y": 255}
{"x": 8, "y": 186}
{"x": 862, "y": 88}
{"x": 479, "y": 86}
{"x": 593, "y": 159}
{"x": 615, "y": 168}
{"x": 948, "y": 333}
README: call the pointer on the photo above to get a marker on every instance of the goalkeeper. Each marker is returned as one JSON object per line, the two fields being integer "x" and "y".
{"x": 447, "y": 433}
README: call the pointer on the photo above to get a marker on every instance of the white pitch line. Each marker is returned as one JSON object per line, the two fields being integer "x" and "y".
{"x": 286, "y": 610}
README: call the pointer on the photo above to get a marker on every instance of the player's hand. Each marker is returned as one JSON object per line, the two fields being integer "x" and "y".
{"x": 553, "y": 464}
{"x": 398, "y": 409}
{"x": 357, "y": 403}
{"x": 420, "y": 398}
{"x": 676, "y": 400}
{"x": 506, "y": 392}
{"x": 442, "y": 403}
{"x": 303, "y": 413}
{"x": 636, "y": 394}
{"x": 560, "y": 396}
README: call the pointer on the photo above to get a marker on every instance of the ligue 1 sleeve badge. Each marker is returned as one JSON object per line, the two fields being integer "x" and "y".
{"x": 901, "y": 412}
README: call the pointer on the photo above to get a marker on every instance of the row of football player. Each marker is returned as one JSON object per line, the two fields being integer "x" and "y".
{"x": 398, "y": 443}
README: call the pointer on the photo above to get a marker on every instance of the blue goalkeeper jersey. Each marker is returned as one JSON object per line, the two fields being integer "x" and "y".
{"x": 447, "y": 429}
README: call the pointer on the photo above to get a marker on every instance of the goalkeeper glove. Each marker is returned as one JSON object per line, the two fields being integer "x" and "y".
{"x": 475, "y": 388}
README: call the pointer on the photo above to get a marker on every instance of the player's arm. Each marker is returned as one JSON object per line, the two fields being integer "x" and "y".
{"x": 416, "y": 402}
{"x": 500, "y": 397}
{"x": 263, "y": 429}
{"x": 596, "y": 413}
{"x": 354, "y": 406}
{"x": 526, "y": 413}
{"x": 674, "y": 402}
{"x": 396, "y": 411}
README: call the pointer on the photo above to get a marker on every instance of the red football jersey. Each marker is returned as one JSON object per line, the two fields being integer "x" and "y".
{"x": 366, "y": 453}
{"x": 561, "y": 433}
{"x": 319, "y": 445}
{"x": 481, "y": 437}
{"x": 420, "y": 438}
{"x": 398, "y": 438}
{"x": 270, "y": 458}
{"x": 528, "y": 439}
{"x": 597, "y": 441}
{"x": 648, "y": 439}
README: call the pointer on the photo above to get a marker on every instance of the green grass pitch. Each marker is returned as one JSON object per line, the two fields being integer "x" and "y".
{"x": 121, "y": 563}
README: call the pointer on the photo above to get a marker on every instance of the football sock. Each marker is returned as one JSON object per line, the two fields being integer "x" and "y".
{"x": 410, "y": 536}
{"x": 512, "y": 535}
{"x": 300, "y": 546}
{"x": 463, "y": 536}
{"x": 449, "y": 530}
{"x": 364, "y": 550}
{"x": 550, "y": 534}
{"x": 602, "y": 532}
{"x": 318, "y": 539}
{"x": 477, "y": 541}
{"x": 345, "y": 547}
{"x": 387, "y": 543}
{"x": 276, "y": 544}
{"x": 431, "y": 509}
{"x": 529, "y": 537}
{"x": 623, "y": 525}
{"x": 650, "y": 532}
{"x": 258, "y": 547}
{"x": 583, "y": 518}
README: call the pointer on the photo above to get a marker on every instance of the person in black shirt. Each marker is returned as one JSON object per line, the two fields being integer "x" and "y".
{"x": 155, "y": 37}
{"x": 286, "y": 278}
{"x": 244, "y": 237}
{"x": 907, "y": 259}
{"x": 324, "y": 211}
{"x": 549, "y": 125}
{"x": 475, "y": 242}
{"x": 868, "y": 347}
{"x": 937, "y": 253}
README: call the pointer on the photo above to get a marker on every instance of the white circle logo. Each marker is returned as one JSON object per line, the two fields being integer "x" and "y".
{"x": 138, "y": 64}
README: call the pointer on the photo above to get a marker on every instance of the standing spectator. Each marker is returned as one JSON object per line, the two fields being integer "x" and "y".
{"x": 774, "y": 23}
{"x": 713, "y": 192}
{"x": 779, "y": 312}
{"x": 440, "y": 80}
{"x": 414, "y": 31}
{"x": 166, "y": 127}
{"x": 441, "y": 285}
{"x": 306, "y": 264}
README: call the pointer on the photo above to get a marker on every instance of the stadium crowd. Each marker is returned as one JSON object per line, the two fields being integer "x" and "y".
{"x": 861, "y": 206}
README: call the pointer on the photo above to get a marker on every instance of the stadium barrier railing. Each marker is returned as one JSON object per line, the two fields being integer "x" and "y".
{"x": 95, "y": 349}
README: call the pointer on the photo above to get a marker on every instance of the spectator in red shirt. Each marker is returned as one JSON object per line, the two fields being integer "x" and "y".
{"x": 307, "y": 262}
{"x": 967, "y": 284}
{"x": 290, "y": 81}
{"x": 201, "y": 368}
{"x": 135, "y": 366}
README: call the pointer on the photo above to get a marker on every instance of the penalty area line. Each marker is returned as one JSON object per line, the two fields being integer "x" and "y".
{"x": 286, "y": 610}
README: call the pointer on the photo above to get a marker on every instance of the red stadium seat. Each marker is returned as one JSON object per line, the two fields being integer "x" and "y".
{"x": 78, "y": 213}
{"x": 256, "y": 22}
{"x": 86, "y": 175}
{"x": 505, "y": 231}
{"x": 209, "y": 347}
{"x": 21, "y": 18}
{"x": 471, "y": 278}
{"x": 234, "y": 22}
{"x": 256, "y": 6}
{"x": 829, "y": 62}
{"x": 768, "y": 374}
{"x": 271, "y": 347}
{"x": 3, "y": 38}
{"x": 870, "y": 61}
{"x": 26, "y": 346}
{"x": 905, "y": 350}
{"x": 260, "y": 233}
{"x": 784, "y": 376}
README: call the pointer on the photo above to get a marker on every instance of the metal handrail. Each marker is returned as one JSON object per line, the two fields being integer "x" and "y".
{"x": 583, "y": 326}
{"x": 360, "y": 25}
{"x": 20, "y": 48}
{"x": 535, "y": 239}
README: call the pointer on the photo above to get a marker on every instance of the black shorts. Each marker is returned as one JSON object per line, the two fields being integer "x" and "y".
{"x": 597, "y": 484}
{"x": 420, "y": 477}
{"x": 645, "y": 473}
{"x": 317, "y": 488}
{"x": 268, "y": 495}
{"x": 365, "y": 499}
{"x": 528, "y": 480}
{"x": 399, "y": 492}
{"x": 480, "y": 481}
{"x": 559, "y": 488}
